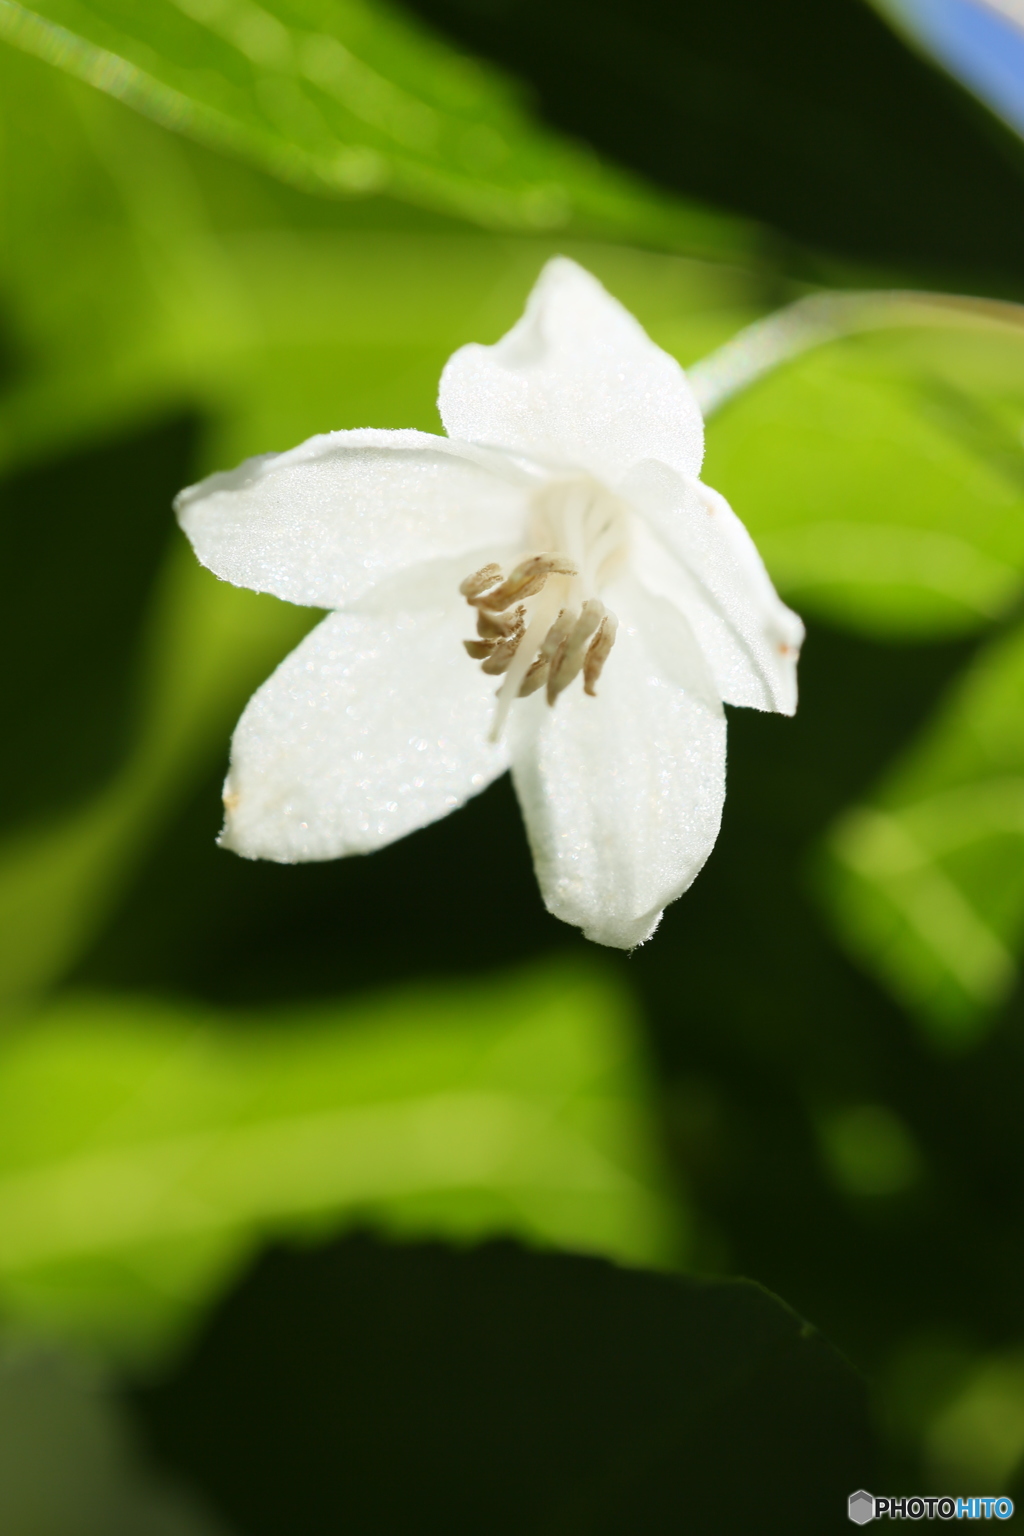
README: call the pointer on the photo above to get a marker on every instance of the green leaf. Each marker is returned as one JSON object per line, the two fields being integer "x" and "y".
{"x": 116, "y": 295}
{"x": 926, "y": 880}
{"x": 516, "y": 1391}
{"x": 198, "y": 281}
{"x": 978, "y": 1437}
{"x": 208, "y": 646}
{"x": 144, "y": 1146}
{"x": 882, "y": 475}
{"x": 344, "y": 97}
{"x": 68, "y": 1462}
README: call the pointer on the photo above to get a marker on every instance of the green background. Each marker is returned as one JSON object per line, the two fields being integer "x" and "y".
{"x": 257, "y": 1121}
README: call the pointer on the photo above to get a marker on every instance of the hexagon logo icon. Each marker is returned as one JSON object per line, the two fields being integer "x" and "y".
{"x": 862, "y": 1507}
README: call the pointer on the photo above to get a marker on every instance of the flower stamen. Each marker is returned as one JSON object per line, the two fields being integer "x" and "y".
{"x": 598, "y": 653}
{"x": 537, "y": 674}
{"x": 535, "y": 678}
{"x": 526, "y": 580}
{"x": 480, "y": 581}
{"x": 568, "y": 659}
{"x": 539, "y": 670}
{"x": 537, "y": 635}
{"x": 497, "y": 626}
{"x": 479, "y": 649}
{"x": 501, "y": 656}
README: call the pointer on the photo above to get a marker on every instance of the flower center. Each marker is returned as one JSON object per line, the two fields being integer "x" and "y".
{"x": 545, "y": 623}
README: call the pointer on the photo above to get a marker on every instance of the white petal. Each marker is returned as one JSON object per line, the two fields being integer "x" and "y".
{"x": 750, "y": 638}
{"x": 372, "y": 727}
{"x": 576, "y": 384}
{"x": 325, "y": 522}
{"x": 622, "y": 794}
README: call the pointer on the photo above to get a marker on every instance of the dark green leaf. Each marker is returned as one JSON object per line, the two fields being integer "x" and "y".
{"x": 367, "y": 1388}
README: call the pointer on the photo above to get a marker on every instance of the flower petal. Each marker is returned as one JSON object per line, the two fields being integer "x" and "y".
{"x": 750, "y": 638}
{"x": 325, "y": 522}
{"x": 576, "y": 384}
{"x": 375, "y": 725}
{"x": 622, "y": 794}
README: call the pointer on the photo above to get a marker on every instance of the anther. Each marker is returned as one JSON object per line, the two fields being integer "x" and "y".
{"x": 569, "y": 658}
{"x": 598, "y": 652}
{"x": 478, "y": 649}
{"x": 526, "y": 580}
{"x": 552, "y": 643}
{"x": 499, "y": 626}
{"x": 479, "y": 582}
{"x": 539, "y": 644}
{"x": 499, "y": 652}
{"x": 500, "y": 658}
{"x": 534, "y": 679}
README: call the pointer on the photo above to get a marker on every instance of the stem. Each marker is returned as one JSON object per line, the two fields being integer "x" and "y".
{"x": 823, "y": 317}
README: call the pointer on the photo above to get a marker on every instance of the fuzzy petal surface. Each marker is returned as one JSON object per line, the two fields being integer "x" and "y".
{"x": 715, "y": 575}
{"x": 326, "y": 522}
{"x": 576, "y": 384}
{"x": 375, "y": 725}
{"x": 622, "y": 794}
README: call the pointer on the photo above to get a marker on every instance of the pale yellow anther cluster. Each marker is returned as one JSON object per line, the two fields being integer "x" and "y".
{"x": 578, "y": 640}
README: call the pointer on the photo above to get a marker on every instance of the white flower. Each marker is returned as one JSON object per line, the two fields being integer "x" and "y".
{"x": 617, "y": 602}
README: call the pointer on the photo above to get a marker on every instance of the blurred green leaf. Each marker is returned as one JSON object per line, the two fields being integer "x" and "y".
{"x": 209, "y": 644}
{"x": 141, "y": 273}
{"x": 114, "y": 289}
{"x": 978, "y": 1438}
{"x": 926, "y": 881}
{"x": 87, "y": 533}
{"x": 882, "y": 475}
{"x": 68, "y": 1465}
{"x": 144, "y": 1146}
{"x": 517, "y": 1391}
{"x": 867, "y": 1150}
{"x": 345, "y": 97}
